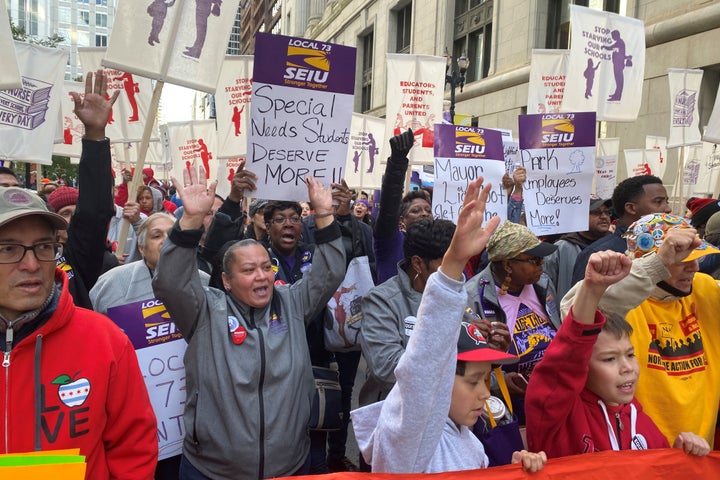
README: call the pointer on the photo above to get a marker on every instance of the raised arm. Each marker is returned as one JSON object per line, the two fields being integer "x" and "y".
{"x": 392, "y": 185}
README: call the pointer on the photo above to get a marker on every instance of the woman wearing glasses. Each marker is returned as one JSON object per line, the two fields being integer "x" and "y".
{"x": 512, "y": 289}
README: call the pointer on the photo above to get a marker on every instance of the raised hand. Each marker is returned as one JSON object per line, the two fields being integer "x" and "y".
{"x": 93, "y": 109}
{"x": 196, "y": 196}
{"x": 322, "y": 201}
{"x": 677, "y": 244}
{"x": 242, "y": 181}
{"x": 400, "y": 145}
{"x": 341, "y": 195}
{"x": 606, "y": 268}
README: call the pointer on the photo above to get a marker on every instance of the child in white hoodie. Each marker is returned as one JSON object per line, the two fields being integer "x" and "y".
{"x": 423, "y": 426}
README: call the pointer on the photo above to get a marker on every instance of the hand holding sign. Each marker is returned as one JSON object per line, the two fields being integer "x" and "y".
{"x": 197, "y": 198}
{"x": 94, "y": 109}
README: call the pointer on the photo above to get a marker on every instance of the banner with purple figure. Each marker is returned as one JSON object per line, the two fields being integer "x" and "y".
{"x": 684, "y": 107}
{"x": 73, "y": 128}
{"x": 176, "y": 41}
{"x": 192, "y": 145}
{"x": 363, "y": 169}
{"x": 415, "y": 93}
{"x": 558, "y": 153}
{"x": 606, "y": 66}
{"x": 301, "y": 109}
{"x": 548, "y": 71}
{"x": 160, "y": 348}
{"x": 461, "y": 155}
{"x": 10, "y": 73}
{"x": 29, "y": 115}
{"x": 232, "y": 104}
{"x": 606, "y": 166}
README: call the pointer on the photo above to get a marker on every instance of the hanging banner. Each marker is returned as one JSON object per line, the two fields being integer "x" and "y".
{"x": 684, "y": 105}
{"x": 29, "y": 115}
{"x": 659, "y": 143}
{"x": 180, "y": 41}
{"x": 232, "y": 104}
{"x": 461, "y": 155}
{"x": 129, "y": 113}
{"x": 302, "y": 102}
{"x": 693, "y": 166}
{"x": 708, "y": 170}
{"x": 606, "y": 66}
{"x": 415, "y": 91}
{"x": 10, "y": 73}
{"x": 558, "y": 153}
{"x": 225, "y": 173}
{"x": 160, "y": 349}
{"x": 192, "y": 144}
{"x": 362, "y": 169}
{"x": 606, "y": 159}
{"x": 548, "y": 69}
{"x": 712, "y": 131}
{"x": 642, "y": 161}
{"x": 73, "y": 128}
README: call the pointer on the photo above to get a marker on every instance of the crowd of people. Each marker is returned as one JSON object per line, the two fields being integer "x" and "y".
{"x": 597, "y": 335}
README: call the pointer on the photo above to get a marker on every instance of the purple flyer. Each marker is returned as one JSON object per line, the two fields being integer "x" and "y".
{"x": 456, "y": 141}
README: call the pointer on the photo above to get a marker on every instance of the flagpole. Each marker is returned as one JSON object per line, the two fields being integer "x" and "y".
{"x": 140, "y": 163}
{"x": 681, "y": 179}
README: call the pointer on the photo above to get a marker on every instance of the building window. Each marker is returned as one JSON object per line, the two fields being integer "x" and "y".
{"x": 403, "y": 24}
{"x": 473, "y": 36}
{"x": 100, "y": 2}
{"x": 101, "y": 40}
{"x": 101, "y": 20}
{"x": 367, "y": 71}
{"x": 558, "y": 18}
{"x": 84, "y": 17}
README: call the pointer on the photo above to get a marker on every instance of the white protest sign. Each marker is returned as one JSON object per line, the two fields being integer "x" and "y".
{"x": 10, "y": 73}
{"x": 659, "y": 143}
{"x": 193, "y": 144}
{"x": 232, "y": 103}
{"x": 546, "y": 87}
{"x": 685, "y": 106}
{"x": 606, "y": 166}
{"x": 362, "y": 169}
{"x": 640, "y": 161}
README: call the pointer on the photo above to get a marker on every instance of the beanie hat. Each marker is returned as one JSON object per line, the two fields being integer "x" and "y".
{"x": 713, "y": 224}
{"x": 62, "y": 197}
{"x": 694, "y": 204}
{"x": 701, "y": 217}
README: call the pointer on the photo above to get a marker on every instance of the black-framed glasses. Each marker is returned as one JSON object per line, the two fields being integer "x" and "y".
{"x": 294, "y": 220}
{"x": 537, "y": 261}
{"x": 600, "y": 213}
{"x": 44, "y": 252}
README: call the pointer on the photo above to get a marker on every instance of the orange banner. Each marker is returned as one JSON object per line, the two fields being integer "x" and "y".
{"x": 628, "y": 465}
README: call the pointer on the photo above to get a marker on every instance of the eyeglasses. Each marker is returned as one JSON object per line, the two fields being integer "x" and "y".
{"x": 44, "y": 252}
{"x": 295, "y": 220}
{"x": 600, "y": 213}
{"x": 537, "y": 261}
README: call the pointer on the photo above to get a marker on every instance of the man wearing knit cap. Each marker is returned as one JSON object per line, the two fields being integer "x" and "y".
{"x": 700, "y": 211}
{"x": 63, "y": 201}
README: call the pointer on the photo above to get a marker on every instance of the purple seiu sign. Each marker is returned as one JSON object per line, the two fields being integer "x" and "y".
{"x": 146, "y": 323}
{"x": 553, "y": 130}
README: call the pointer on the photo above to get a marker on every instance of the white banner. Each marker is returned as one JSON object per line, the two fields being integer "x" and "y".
{"x": 658, "y": 143}
{"x": 642, "y": 161}
{"x": 712, "y": 131}
{"x": 232, "y": 104}
{"x": 10, "y": 72}
{"x": 606, "y": 66}
{"x": 684, "y": 107}
{"x": 129, "y": 113}
{"x": 705, "y": 160}
{"x": 29, "y": 115}
{"x": 193, "y": 144}
{"x": 181, "y": 42}
{"x": 693, "y": 166}
{"x": 548, "y": 69}
{"x": 606, "y": 166}
{"x": 415, "y": 90}
{"x": 73, "y": 128}
{"x": 363, "y": 170}
{"x": 226, "y": 171}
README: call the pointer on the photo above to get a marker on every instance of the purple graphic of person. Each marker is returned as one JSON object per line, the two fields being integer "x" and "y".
{"x": 618, "y": 61}
{"x": 205, "y": 156}
{"x": 158, "y": 11}
{"x": 131, "y": 89}
{"x": 236, "y": 119}
{"x": 372, "y": 151}
{"x": 203, "y": 9}
{"x": 356, "y": 160}
{"x": 589, "y": 75}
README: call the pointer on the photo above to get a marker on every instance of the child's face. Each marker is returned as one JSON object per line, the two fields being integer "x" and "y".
{"x": 469, "y": 394}
{"x": 614, "y": 369}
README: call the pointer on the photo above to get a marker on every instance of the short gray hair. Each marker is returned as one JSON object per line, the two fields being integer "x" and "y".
{"x": 142, "y": 231}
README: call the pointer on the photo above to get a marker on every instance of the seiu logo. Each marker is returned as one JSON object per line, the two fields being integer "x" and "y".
{"x": 557, "y": 130}
{"x": 154, "y": 307}
{"x": 469, "y": 142}
{"x": 155, "y": 330}
{"x": 307, "y": 61}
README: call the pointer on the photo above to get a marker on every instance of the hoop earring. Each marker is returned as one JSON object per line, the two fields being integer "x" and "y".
{"x": 506, "y": 284}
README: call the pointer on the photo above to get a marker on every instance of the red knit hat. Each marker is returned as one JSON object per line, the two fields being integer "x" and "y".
{"x": 62, "y": 197}
{"x": 694, "y": 204}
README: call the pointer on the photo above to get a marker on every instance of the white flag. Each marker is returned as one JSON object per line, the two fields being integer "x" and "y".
{"x": 642, "y": 161}
{"x": 712, "y": 131}
{"x": 606, "y": 66}
{"x": 129, "y": 113}
{"x": 363, "y": 169}
{"x": 232, "y": 103}
{"x": 415, "y": 90}
{"x": 658, "y": 143}
{"x": 606, "y": 166}
{"x": 225, "y": 173}
{"x": 548, "y": 70}
{"x": 10, "y": 72}
{"x": 29, "y": 115}
{"x": 73, "y": 129}
{"x": 181, "y": 42}
{"x": 193, "y": 144}
{"x": 684, "y": 105}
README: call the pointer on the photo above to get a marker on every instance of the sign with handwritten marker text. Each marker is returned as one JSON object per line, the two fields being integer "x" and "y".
{"x": 558, "y": 153}
{"x": 461, "y": 155}
{"x": 301, "y": 109}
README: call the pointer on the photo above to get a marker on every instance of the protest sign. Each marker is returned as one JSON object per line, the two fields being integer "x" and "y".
{"x": 558, "y": 152}
{"x": 712, "y": 131}
{"x": 227, "y": 167}
{"x": 301, "y": 109}
{"x": 639, "y": 161}
{"x": 160, "y": 349}
{"x": 72, "y": 128}
{"x": 29, "y": 115}
{"x": 10, "y": 73}
{"x": 232, "y": 104}
{"x": 415, "y": 92}
{"x": 684, "y": 107}
{"x": 606, "y": 65}
{"x": 462, "y": 154}
{"x": 659, "y": 143}
{"x": 606, "y": 166}
{"x": 363, "y": 169}
{"x": 546, "y": 87}
{"x": 193, "y": 144}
